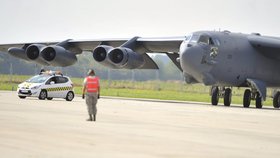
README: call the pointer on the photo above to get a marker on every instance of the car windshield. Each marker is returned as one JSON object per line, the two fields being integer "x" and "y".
{"x": 38, "y": 79}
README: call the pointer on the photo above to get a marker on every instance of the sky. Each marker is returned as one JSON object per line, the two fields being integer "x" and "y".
{"x": 55, "y": 20}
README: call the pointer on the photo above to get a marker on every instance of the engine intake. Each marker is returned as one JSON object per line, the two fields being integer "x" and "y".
{"x": 100, "y": 54}
{"x": 58, "y": 56}
{"x": 116, "y": 56}
{"x": 126, "y": 58}
{"x": 33, "y": 53}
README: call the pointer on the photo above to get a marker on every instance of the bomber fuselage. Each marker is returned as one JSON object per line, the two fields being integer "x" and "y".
{"x": 226, "y": 59}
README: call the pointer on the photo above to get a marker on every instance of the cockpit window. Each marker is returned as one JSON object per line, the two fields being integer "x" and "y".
{"x": 203, "y": 38}
{"x": 208, "y": 40}
{"x": 194, "y": 39}
{"x": 188, "y": 37}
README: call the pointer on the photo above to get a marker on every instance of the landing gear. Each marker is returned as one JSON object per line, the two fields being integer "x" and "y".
{"x": 249, "y": 94}
{"x": 247, "y": 98}
{"x": 222, "y": 92}
{"x": 276, "y": 100}
{"x": 252, "y": 95}
{"x": 259, "y": 101}
{"x": 227, "y": 97}
{"x": 215, "y": 96}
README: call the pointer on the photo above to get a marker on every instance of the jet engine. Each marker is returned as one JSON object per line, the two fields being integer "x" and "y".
{"x": 126, "y": 58}
{"x": 58, "y": 56}
{"x": 33, "y": 53}
{"x": 100, "y": 54}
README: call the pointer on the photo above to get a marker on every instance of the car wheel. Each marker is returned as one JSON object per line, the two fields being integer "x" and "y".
{"x": 70, "y": 96}
{"x": 22, "y": 97}
{"x": 43, "y": 95}
{"x": 49, "y": 98}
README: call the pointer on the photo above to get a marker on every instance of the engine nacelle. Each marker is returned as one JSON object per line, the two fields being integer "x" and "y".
{"x": 33, "y": 52}
{"x": 58, "y": 56}
{"x": 126, "y": 58}
{"x": 100, "y": 54}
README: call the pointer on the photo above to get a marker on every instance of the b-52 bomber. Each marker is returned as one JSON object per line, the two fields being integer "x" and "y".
{"x": 219, "y": 59}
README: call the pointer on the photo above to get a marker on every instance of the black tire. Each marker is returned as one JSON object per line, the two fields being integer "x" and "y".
{"x": 259, "y": 101}
{"x": 247, "y": 98}
{"x": 70, "y": 96}
{"x": 49, "y": 98}
{"x": 227, "y": 97}
{"x": 215, "y": 96}
{"x": 43, "y": 95}
{"x": 22, "y": 97}
{"x": 276, "y": 100}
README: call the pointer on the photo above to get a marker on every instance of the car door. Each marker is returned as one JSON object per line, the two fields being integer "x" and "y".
{"x": 50, "y": 87}
{"x": 62, "y": 86}
{"x": 53, "y": 87}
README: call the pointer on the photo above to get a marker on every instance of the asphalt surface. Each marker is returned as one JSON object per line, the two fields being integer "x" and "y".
{"x": 133, "y": 128}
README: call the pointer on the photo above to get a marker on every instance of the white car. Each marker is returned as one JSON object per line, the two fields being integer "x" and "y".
{"x": 47, "y": 86}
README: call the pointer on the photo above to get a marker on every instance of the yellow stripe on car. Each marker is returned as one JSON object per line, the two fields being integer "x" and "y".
{"x": 59, "y": 89}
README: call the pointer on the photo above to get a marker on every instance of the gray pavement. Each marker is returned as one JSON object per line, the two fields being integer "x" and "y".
{"x": 134, "y": 128}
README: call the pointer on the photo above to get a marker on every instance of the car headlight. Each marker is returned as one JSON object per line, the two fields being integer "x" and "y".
{"x": 35, "y": 87}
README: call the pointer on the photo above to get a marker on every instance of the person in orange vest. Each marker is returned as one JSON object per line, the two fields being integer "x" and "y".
{"x": 91, "y": 91}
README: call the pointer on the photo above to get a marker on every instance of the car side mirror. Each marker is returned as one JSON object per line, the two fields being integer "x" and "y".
{"x": 52, "y": 82}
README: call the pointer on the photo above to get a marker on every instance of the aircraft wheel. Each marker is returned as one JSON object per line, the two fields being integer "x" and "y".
{"x": 276, "y": 100}
{"x": 247, "y": 98}
{"x": 43, "y": 95}
{"x": 259, "y": 101}
{"x": 227, "y": 97}
{"x": 215, "y": 96}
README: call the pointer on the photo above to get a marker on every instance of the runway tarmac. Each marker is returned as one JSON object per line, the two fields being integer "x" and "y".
{"x": 132, "y": 128}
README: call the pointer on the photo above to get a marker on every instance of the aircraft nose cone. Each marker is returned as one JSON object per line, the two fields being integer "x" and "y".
{"x": 190, "y": 57}
{"x": 193, "y": 62}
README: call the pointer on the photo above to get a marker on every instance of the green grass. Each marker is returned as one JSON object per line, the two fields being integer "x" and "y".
{"x": 170, "y": 90}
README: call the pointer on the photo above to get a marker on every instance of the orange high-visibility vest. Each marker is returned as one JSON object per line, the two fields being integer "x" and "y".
{"x": 92, "y": 84}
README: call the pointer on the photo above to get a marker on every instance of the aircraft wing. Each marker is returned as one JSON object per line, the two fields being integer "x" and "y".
{"x": 85, "y": 45}
{"x": 64, "y": 53}
{"x": 164, "y": 44}
{"x": 268, "y": 46}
